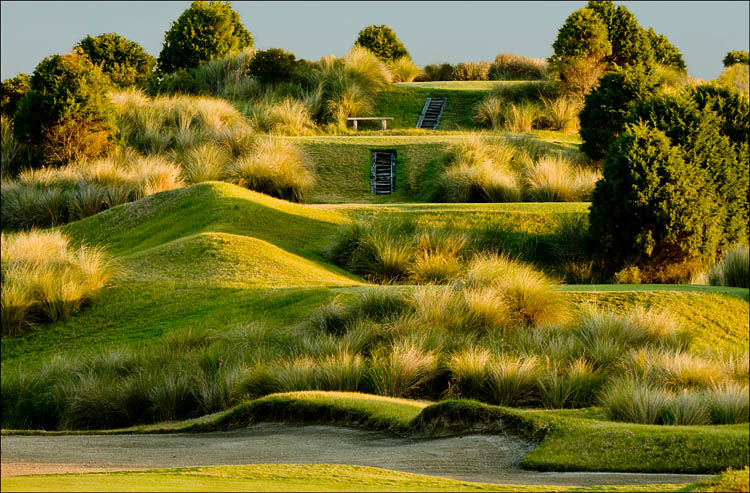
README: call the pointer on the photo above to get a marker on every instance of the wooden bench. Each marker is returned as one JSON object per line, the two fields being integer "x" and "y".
{"x": 381, "y": 118}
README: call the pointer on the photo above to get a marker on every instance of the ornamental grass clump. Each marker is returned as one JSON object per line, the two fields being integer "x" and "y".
{"x": 733, "y": 269}
{"x": 45, "y": 280}
{"x": 402, "y": 370}
{"x": 479, "y": 172}
{"x": 276, "y": 167}
{"x": 553, "y": 178}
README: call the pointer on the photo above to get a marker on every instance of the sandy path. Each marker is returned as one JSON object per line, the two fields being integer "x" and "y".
{"x": 485, "y": 458}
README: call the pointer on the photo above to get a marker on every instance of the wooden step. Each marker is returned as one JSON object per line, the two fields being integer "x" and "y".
{"x": 431, "y": 113}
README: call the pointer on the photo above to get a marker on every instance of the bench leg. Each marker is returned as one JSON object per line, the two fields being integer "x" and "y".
{"x": 355, "y": 125}
{"x": 382, "y": 124}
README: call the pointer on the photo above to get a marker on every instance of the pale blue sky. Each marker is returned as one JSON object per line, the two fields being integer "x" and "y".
{"x": 432, "y": 31}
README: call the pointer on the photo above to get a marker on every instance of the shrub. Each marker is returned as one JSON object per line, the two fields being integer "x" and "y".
{"x": 273, "y": 66}
{"x": 66, "y": 111}
{"x": 276, "y": 167}
{"x": 652, "y": 220}
{"x": 733, "y": 269}
{"x": 203, "y": 32}
{"x": 11, "y": 92}
{"x": 630, "y": 42}
{"x": 514, "y": 67}
{"x": 124, "y": 61}
{"x": 736, "y": 56}
{"x": 581, "y": 50}
{"x": 404, "y": 69}
{"x": 382, "y": 41}
{"x": 45, "y": 280}
{"x": 472, "y": 71}
{"x": 606, "y": 108}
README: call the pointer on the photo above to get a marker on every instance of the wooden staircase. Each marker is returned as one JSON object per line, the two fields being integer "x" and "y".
{"x": 382, "y": 172}
{"x": 431, "y": 113}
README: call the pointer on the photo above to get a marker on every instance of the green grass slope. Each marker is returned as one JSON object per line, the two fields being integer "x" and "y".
{"x": 404, "y": 102}
{"x": 278, "y": 477}
{"x": 214, "y": 207}
{"x": 227, "y": 260}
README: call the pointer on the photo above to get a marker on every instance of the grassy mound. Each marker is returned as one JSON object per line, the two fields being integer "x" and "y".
{"x": 207, "y": 207}
{"x": 227, "y": 260}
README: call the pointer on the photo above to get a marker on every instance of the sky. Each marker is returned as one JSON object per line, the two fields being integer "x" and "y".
{"x": 432, "y": 31}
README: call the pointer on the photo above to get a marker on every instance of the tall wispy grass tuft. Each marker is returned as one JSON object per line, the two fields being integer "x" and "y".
{"x": 404, "y": 69}
{"x": 532, "y": 297}
{"x": 633, "y": 401}
{"x": 733, "y": 269}
{"x": 402, "y": 370}
{"x": 205, "y": 162}
{"x": 555, "y": 179}
{"x": 561, "y": 114}
{"x": 520, "y": 117}
{"x": 478, "y": 172}
{"x": 490, "y": 113}
{"x": 275, "y": 166}
{"x": 44, "y": 279}
{"x": 512, "y": 380}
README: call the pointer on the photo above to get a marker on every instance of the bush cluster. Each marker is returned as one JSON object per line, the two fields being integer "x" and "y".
{"x": 382, "y": 42}
{"x": 66, "y": 114}
{"x": 675, "y": 181}
{"x": 506, "y": 66}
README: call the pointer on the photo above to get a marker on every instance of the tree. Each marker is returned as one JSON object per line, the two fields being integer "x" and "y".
{"x": 665, "y": 53}
{"x": 11, "y": 92}
{"x": 273, "y": 66}
{"x": 124, "y": 61}
{"x": 736, "y": 56}
{"x": 606, "y": 108}
{"x": 382, "y": 41}
{"x": 66, "y": 114}
{"x": 580, "y": 50}
{"x": 630, "y": 42}
{"x": 203, "y": 32}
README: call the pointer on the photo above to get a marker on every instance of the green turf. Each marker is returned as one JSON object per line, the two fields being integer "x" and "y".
{"x": 277, "y": 477}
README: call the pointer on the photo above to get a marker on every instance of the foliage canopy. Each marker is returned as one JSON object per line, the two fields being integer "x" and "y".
{"x": 204, "y": 32}
{"x": 382, "y": 41}
{"x": 124, "y": 61}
